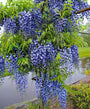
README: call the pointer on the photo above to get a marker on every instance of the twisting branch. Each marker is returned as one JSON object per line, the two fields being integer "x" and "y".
{"x": 42, "y": 9}
{"x": 83, "y": 10}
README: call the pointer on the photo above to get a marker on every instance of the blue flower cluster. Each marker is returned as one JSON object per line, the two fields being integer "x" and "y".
{"x": 11, "y": 64}
{"x": 38, "y": 1}
{"x": 21, "y": 82}
{"x": 20, "y": 79}
{"x": 33, "y": 46}
{"x": 69, "y": 57}
{"x": 47, "y": 89}
{"x": 75, "y": 54}
{"x": 30, "y": 22}
{"x": 66, "y": 60}
{"x": 42, "y": 55}
{"x": 63, "y": 25}
{"x": 11, "y": 26}
{"x": 1, "y": 60}
{"x": 12, "y": 61}
{"x": 60, "y": 25}
{"x": 2, "y": 65}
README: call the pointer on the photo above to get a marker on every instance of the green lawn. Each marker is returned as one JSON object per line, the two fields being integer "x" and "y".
{"x": 84, "y": 52}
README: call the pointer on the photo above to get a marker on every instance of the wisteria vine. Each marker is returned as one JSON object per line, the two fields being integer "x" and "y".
{"x": 43, "y": 34}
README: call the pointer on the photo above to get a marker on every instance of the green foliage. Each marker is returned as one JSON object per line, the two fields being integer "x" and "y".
{"x": 80, "y": 96}
{"x": 32, "y": 105}
{"x": 13, "y": 7}
{"x": 67, "y": 9}
{"x": 55, "y": 67}
{"x": 49, "y": 35}
{"x": 11, "y": 42}
{"x": 8, "y": 41}
{"x": 38, "y": 105}
{"x": 86, "y": 39}
{"x": 6, "y": 73}
{"x": 63, "y": 39}
{"x": 85, "y": 36}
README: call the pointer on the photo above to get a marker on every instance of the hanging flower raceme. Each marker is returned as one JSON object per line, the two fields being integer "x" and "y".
{"x": 66, "y": 59}
{"x": 2, "y": 66}
{"x": 69, "y": 57}
{"x": 20, "y": 79}
{"x": 30, "y": 22}
{"x": 42, "y": 55}
{"x": 47, "y": 89}
{"x": 21, "y": 82}
{"x": 75, "y": 54}
{"x": 11, "y": 26}
{"x": 60, "y": 25}
{"x": 11, "y": 65}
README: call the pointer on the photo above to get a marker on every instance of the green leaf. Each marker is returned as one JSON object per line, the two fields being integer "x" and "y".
{"x": 43, "y": 34}
{"x": 30, "y": 41}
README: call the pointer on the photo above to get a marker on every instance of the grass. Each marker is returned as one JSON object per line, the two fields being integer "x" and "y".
{"x": 84, "y": 52}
